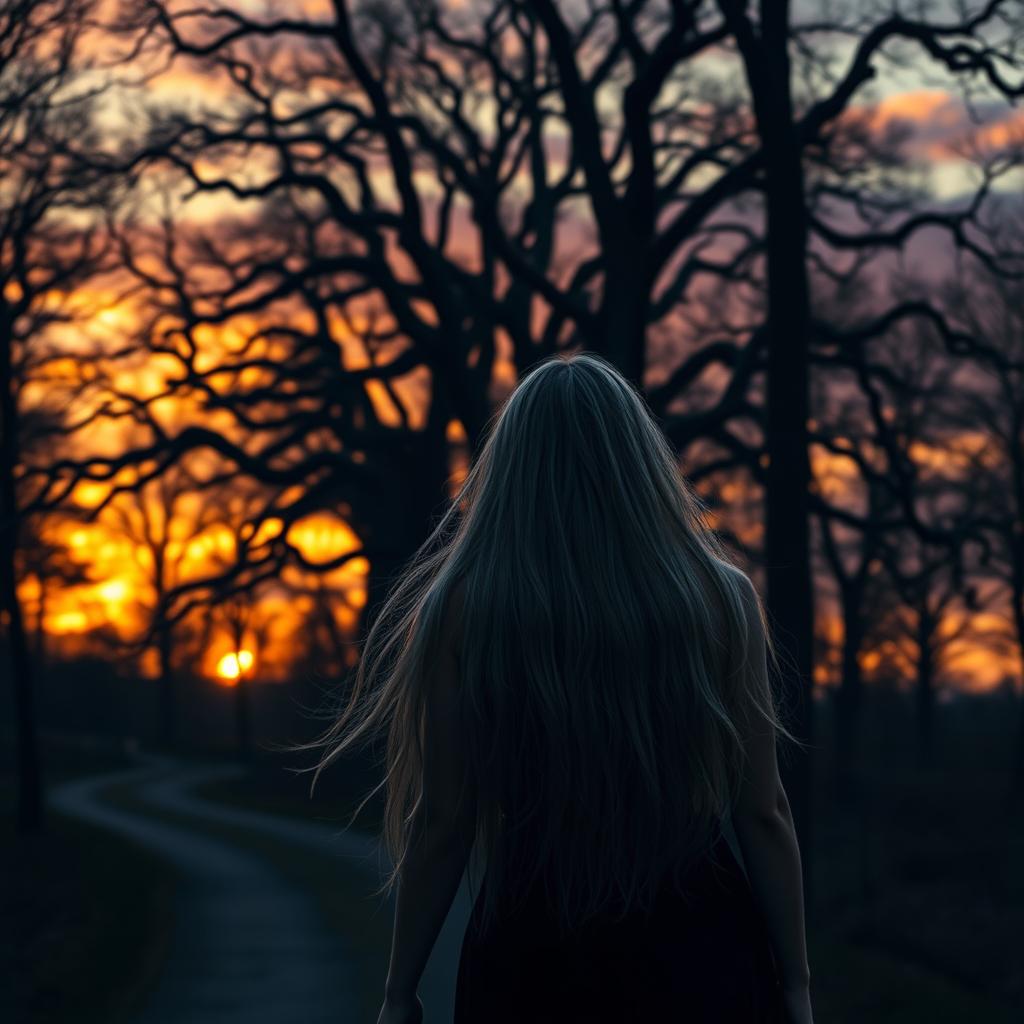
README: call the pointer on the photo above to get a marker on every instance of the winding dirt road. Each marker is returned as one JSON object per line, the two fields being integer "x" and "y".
{"x": 250, "y": 946}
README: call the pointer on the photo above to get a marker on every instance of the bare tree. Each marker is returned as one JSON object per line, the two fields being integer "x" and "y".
{"x": 48, "y": 246}
{"x": 450, "y": 191}
{"x": 993, "y": 307}
{"x": 159, "y": 519}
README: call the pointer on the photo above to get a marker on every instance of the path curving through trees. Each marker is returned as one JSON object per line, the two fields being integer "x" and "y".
{"x": 249, "y": 945}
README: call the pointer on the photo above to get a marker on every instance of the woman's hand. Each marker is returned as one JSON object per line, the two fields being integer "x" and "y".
{"x": 401, "y": 1010}
{"x": 798, "y": 1005}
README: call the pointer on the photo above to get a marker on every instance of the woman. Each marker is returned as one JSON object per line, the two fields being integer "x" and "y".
{"x": 574, "y": 677}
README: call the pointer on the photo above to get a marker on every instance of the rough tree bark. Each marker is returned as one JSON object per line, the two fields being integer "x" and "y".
{"x": 787, "y": 506}
{"x": 30, "y": 795}
{"x": 849, "y": 695}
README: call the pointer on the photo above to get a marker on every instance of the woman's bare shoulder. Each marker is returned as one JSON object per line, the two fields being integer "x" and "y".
{"x": 738, "y": 576}
{"x": 744, "y": 588}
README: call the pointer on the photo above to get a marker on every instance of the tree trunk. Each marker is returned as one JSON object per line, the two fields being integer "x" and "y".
{"x": 1017, "y": 591}
{"x": 1018, "y": 765}
{"x": 30, "y": 797}
{"x": 786, "y": 546}
{"x": 30, "y": 786}
{"x": 39, "y": 639}
{"x": 396, "y": 528}
{"x": 925, "y": 694}
{"x": 1018, "y": 768}
{"x": 624, "y": 315}
{"x": 243, "y": 718}
{"x": 848, "y": 704}
{"x": 167, "y": 712}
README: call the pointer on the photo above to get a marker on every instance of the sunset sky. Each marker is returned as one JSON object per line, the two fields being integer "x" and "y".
{"x": 107, "y": 574}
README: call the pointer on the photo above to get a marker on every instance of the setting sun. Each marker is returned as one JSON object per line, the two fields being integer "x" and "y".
{"x": 232, "y": 665}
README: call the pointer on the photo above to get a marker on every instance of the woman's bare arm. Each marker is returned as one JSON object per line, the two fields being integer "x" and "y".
{"x": 444, "y": 830}
{"x": 764, "y": 828}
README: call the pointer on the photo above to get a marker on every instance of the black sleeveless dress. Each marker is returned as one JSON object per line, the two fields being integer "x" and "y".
{"x": 702, "y": 957}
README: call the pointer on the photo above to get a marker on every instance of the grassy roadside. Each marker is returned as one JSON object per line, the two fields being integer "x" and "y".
{"x": 853, "y": 984}
{"x": 85, "y": 917}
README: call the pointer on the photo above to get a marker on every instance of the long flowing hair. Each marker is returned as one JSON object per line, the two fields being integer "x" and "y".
{"x": 601, "y": 691}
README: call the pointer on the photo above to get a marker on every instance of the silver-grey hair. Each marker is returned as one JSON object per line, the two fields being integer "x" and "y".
{"x": 602, "y": 695}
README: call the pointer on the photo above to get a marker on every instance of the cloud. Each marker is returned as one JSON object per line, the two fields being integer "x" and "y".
{"x": 938, "y": 126}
